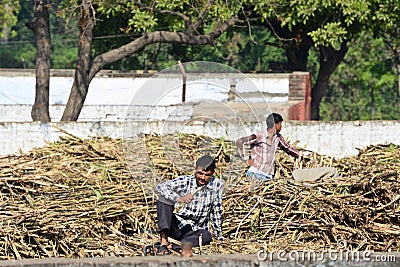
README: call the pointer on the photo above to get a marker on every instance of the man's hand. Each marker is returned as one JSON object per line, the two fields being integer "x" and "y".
{"x": 185, "y": 199}
{"x": 250, "y": 162}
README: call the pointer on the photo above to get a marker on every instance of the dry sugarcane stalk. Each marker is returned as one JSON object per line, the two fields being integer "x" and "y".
{"x": 77, "y": 197}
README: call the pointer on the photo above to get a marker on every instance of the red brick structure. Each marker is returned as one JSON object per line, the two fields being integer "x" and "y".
{"x": 300, "y": 96}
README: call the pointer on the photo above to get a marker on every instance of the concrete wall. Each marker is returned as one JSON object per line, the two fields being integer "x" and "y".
{"x": 110, "y": 89}
{"x": 22, "y": 113}
{"x": 229, "y": 111}
{"x": 122, "y": 89}
{"x": 330, "y": 138}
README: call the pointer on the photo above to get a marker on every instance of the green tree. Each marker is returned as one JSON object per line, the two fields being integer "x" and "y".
{"x": 186, "y": 22}
{"x": 9, "y": 10}
{"x": 326, "y": 25}
{"x": 244, "y": 49}
{"x": 64, "y": 37}
{"x": 20, "y": 52}
{"x": 363, "y": 89}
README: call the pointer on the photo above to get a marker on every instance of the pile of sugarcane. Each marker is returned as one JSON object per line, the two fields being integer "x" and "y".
{"x": 95, "y": 198}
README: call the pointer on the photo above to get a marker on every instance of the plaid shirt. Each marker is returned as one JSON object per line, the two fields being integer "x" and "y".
{"x": 204, "y": 208}
{"x": 263, "y": 150}
{"x": 282, "y": 144}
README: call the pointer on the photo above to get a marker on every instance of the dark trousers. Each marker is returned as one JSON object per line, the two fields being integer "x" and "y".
{"x": 168, "y": 221}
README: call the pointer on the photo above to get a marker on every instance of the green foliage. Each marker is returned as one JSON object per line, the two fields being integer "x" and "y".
{"x": 385, "y": 14}
{"x": 334, "y": 23}
{"x": 142, "y": 20}
{"x": 331, "y": 33}
{"x": 7, "y": 56}
{"x": 236, "y": 48}
{"x": 328, "y": 22}
{"x": 365, "y": 86}
{"x": 247, "y": 53}
{"x": 64, "y": 51}
{"x": 64, "y": 37}
{"x": 313, "y": 63}
{"x": 119, "y": 23}
{"x": 20, "y": 52}
{"x": 146, "y": 16}
{"x": 9, "y": 10}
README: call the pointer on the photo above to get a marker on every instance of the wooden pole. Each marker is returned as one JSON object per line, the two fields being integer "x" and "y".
{"x": 183, "y": 72}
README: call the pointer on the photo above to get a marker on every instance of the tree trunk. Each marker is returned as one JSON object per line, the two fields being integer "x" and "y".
{"x": 297, "y": 45}
{"x": 41, "y": 27}
{"x": 329, "y": 59}
{"x": 80, "y": 86}
{"x": 297, "y": 56}
{"x": 298, "y": 49}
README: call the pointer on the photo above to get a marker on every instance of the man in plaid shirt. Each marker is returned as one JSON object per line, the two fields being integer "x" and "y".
{"x": 264, "y": 145}
{"x": 199, "y": 201}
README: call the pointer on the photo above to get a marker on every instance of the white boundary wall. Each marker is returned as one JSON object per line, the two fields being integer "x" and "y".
{"x": 337, "y": 139}
{"x": 22, "y": 113}
{"x": 18, "y": 88}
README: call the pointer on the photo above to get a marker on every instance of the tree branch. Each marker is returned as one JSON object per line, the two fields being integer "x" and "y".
{"x": 200, "y": 18}
{"x": 158, "y": 37}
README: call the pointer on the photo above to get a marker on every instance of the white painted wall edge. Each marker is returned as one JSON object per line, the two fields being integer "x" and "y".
{"x": 338, "y": 139}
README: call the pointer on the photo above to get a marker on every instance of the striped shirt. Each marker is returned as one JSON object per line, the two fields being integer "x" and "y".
{"x": 205, "y": 208}
{"x": 263, "y": 150}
